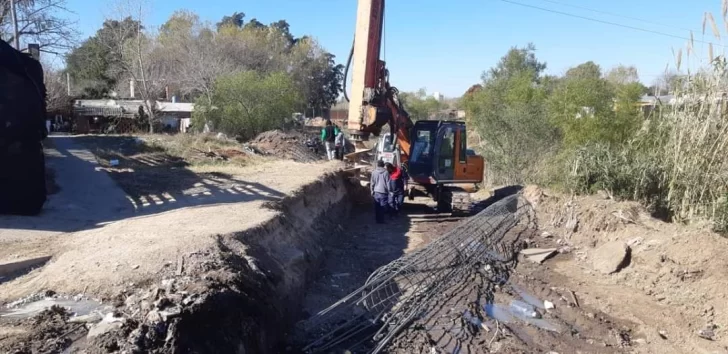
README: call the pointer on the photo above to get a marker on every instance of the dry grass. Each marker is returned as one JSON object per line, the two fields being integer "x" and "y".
{"x": 157, "y": 163}
{"x": 678, "y": 162}
{"x": 199, "y": 149}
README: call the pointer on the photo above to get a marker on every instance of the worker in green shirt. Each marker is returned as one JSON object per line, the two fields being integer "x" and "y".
{"x": 328, "y": 136}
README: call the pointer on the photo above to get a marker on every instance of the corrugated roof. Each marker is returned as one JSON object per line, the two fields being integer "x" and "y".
{"x": 127, "y": 106}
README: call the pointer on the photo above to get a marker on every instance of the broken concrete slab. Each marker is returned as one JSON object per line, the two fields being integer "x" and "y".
{"x": 611, "y": 257}
{"x": 538, "y": 255}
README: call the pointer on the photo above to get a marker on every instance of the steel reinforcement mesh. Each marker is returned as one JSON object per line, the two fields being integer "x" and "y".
{"x": 479, "y": 252}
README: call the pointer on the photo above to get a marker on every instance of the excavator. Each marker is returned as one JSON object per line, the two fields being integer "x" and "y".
{"x": 434, "y": 153}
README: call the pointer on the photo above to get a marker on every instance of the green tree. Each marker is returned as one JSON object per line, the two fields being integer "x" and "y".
{"x": 248, "y": 103}
{"x": 589, "y": 108}
{"x": 421, "y": 106}
{"x": 95, "y": 66}
{"x": 582, "y": 105}
{"x": 234, "y": 20}
{"x": 508, "y": 114}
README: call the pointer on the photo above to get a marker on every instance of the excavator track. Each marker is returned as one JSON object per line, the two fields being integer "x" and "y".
{"x": 454, "y": 200}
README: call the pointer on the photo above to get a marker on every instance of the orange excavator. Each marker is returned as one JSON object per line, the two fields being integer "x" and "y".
{"x": 433, "y": 152}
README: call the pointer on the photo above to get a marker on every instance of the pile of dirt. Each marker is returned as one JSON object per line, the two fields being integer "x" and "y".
{"x": 50, "y": 333}
{"x": 671, "y": 280}
{"x": 289, "y": 145}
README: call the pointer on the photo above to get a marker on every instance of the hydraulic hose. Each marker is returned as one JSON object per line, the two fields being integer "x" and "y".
{"x": 346, "y": 70}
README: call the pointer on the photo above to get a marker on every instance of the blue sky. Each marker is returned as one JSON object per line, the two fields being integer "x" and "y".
{"x": 445, "y": 45}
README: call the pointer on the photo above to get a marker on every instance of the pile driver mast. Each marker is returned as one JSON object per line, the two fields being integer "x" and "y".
{"x": 373, "y": 102}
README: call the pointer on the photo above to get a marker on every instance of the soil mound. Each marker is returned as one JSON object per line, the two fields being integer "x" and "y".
{"x": 286, "y": 145}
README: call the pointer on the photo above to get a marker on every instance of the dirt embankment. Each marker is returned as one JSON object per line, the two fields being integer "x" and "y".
{"x": 238, "y": 295}
{"x": 668, "y": 279}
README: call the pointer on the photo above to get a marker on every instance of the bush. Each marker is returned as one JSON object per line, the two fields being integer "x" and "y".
{"x": 248, "y": 103}
{"x": 677, "y": 163}
{"x": 509, "y": 116}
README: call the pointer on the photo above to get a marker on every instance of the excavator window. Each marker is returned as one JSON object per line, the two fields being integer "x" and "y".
{"x": 447, "y": 149}
{"x": 388, "y": 145}
{"x": 463, "y": 145}
{"x": 421, "y": 150}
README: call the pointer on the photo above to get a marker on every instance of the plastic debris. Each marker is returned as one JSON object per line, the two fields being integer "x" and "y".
{"x": 538, "y": 255}
{"x": 475, "y": 321}
{"x": 520, "y": 308}
{"x": 528, "y": 298}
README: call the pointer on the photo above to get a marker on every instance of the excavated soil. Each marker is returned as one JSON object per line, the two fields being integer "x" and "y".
{"x": 253, "y": 290}
{"x": 673, "y": 286}
{"x": 289, "y": 145}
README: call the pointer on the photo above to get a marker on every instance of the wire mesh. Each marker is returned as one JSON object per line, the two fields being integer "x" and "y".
{"x": 483, "y": 247}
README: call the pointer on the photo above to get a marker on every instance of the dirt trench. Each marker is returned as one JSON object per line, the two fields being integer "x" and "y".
{"x": 254, "y": 299}
{"x": 242, "y": 295}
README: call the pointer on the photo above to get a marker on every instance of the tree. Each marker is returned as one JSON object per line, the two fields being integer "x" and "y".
{"x": 193, "y": 55}
{"x": 316, "y": 73}
{"x": 508, "y": 114}
{"x": 421, "y": 106}
{"x": 284, "y": 29}
{"x": 234, "y": 20}
{"x": 94, "y": 65}
{"x": 41, "y": 22}
{"x": 248, "y": 103}
{"x": 57, "y": 98}
{"x": 254, "y": 24}
{"x": 622, "y": 75}
{"x": 517, "y": 62}
{"x": 136, "y": 53}
{"x": 585, "y": 105}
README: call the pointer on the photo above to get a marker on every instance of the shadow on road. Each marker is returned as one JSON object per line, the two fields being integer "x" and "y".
{"x": 145, "y": 181}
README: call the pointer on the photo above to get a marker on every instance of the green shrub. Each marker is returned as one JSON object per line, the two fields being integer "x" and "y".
{"x": 248, "y": 103}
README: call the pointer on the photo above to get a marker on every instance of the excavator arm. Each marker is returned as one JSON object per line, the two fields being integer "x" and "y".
{"x": 374, "y": 102}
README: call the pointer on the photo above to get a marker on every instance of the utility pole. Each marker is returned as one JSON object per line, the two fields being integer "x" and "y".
{"x": 14, "y": 15}
{"x": 68, "y": 83}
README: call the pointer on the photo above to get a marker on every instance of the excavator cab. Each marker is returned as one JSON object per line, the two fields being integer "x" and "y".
{"x": 439, "y": 154}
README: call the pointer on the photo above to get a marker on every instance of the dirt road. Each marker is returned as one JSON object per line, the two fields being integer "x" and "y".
{"x": 84, "y": 198}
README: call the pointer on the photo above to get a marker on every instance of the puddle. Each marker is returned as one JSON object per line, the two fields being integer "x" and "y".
{"x": 79, "y": 308}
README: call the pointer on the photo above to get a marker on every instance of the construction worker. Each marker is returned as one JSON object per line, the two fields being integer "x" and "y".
{"x": 340, "y": 143}
{"x": 379, "y": 186}
{"x": 328, "y": 136}
{"x": 396, "y": 188}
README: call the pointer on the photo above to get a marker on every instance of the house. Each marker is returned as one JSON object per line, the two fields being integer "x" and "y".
{"x": 649, "y": 104}
{"x": 175, "y": 115}
{"x": 339, "y": 111}
{"x": 122, "y": 116}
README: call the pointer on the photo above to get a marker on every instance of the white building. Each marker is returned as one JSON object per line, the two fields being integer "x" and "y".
{"x": 438, "y": 96}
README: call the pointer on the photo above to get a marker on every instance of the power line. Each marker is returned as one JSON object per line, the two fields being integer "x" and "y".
{"x": 619, "y": 15}
{"x": 610, "y": 23}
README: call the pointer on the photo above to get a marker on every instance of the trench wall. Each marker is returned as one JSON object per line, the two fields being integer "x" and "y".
{"x": 255, "y": 298}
